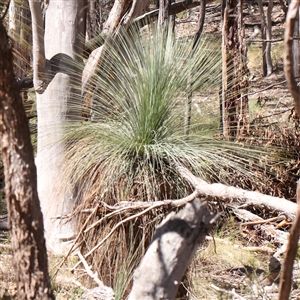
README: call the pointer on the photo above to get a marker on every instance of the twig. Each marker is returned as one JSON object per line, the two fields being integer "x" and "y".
{"x": 264, "y": 41}
{"x": 150, "y": 206}
{"x": 125, "y": 206}
{"x": 266, "y": 88}
{"x": 263, "y": 221}
{"x": 94, "y": 276}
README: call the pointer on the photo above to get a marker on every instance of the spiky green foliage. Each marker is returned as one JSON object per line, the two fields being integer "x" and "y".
{"x": 135, "y": 139}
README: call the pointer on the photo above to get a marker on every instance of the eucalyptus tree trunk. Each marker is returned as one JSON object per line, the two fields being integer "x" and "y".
{"x": 266, "y": 36}
{"x": 25, "y": 217}
{"x": 234, "y": 102}
{"x": 57, "y": 80}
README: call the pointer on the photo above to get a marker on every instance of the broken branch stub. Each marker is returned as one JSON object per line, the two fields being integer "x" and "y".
{"x": 168, "y": 256}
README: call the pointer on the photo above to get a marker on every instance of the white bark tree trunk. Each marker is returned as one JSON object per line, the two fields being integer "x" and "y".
{"x": 64, "y": 22}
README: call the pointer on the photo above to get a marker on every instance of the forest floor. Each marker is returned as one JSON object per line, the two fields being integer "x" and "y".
{"x": 237, "y": 263}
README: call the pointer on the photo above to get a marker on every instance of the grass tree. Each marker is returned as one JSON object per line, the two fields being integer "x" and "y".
{"x": 133, "y": 142}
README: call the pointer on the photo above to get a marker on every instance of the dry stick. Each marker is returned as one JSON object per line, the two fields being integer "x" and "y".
{"x": 106, "y": 217}
{"x": 263, "y": 221}
{"x": 139, "y": 205}
{"x": 267, "y": 88}
{"x": 94, "y": 276}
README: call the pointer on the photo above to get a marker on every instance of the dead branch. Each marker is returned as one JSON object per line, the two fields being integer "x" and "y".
{"x": 259, "y": 222}
{"x": 126, "y": 206}
{"x": 238, "y": 195}
{"x": 174, "y": 244}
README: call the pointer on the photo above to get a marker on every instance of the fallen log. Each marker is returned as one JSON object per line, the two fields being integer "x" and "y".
{"x": 168, "y": 256}
{"x": 229, "y": 193}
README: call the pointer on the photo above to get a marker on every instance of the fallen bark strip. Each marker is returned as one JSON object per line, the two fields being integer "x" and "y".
{"x": 174, "y": 244}
{"x": 226, "y": 193}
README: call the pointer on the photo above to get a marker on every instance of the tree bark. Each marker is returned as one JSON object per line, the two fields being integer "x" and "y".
{"x": 25, "y": 217}
{"x": 164, "y": 12}
{"x": 289, "y": 67}
{"x": 269, "y": 38}
{"x": 168, "y": 256}
{"x": 234, "y": 105}
{"x": 263, "y": 35}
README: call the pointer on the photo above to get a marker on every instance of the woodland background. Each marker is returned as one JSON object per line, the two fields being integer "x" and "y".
{"x": 134, "y": 109}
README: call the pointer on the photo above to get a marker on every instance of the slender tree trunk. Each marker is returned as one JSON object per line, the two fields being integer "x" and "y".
{"x": 235, "y": 111}
{"x": 56, "y": 104}
{"x": 188, "y": 104}
{"x": 269, "y": 64}
{"x": 296, "y": 46}
{"x": 263, "y": 35}
{"x": 25, "y": 217}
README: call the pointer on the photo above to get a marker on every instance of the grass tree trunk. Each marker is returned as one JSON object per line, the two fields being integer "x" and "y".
{"x": 64, "y": 23}
{"x": 234, "y": 107}
{"x": 25, "y": 217}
